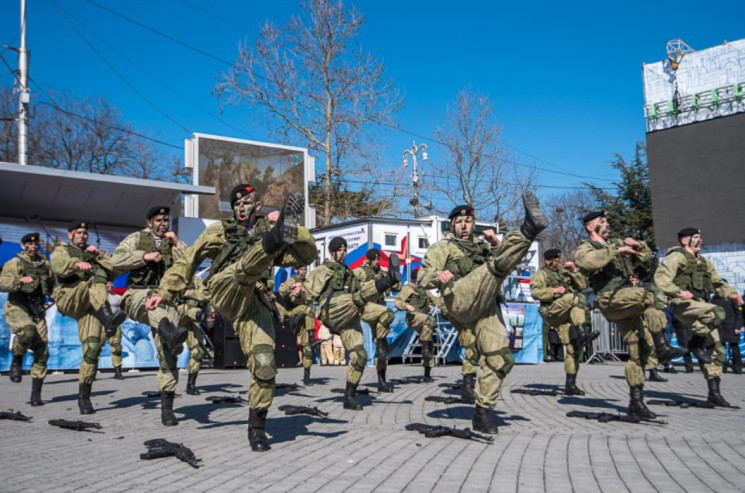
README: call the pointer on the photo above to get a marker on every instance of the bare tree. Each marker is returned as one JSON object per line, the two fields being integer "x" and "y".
{"x": 478, "y": 168}
{"x": 564, "y": 211}
{"x": 318, "y": 88}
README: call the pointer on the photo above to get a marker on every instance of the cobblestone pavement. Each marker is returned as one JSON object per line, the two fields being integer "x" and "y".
{"x": 538, "y": 448}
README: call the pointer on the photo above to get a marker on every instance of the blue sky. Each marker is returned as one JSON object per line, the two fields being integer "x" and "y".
{"x": 565, "y": 77}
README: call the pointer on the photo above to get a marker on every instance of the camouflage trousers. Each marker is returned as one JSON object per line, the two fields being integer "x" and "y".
{"x": 565, "y": 312}
{"x": 30, "y": 336}
{"x": 424, "y": 325}
{"x": 379, "y": 318}
{"x": 341, "y": 314}
{"x": 232, "y": 292}
{"x": 471, "y": 303}
{"x": 81, "y": 302}
{"x": 635, "y": 312}
{"x": 305, "y": 333}
{"x": 115, "y": 342}
{"x": 703, "y": 319}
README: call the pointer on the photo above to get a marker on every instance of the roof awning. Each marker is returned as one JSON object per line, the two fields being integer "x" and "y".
{"x": 60, "y": 195}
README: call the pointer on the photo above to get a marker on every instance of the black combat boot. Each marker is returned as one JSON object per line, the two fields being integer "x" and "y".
{"x": 427, "y": 377}
{"x": 696, "y": 346}
{"x": 36, "y": 384}
{"x": 191, "y": 384}
{"x": 285, "y": 231}
{"x": 166, "y": 409}
{"x": 482, "y": 421}
{"x": 654, "y": 376}
{"x": 666, "y": 352}
{"x": 427, "y": 351}
{"x": 571, "y": 386}
{"x": 350, "y": 397}
{"x": 118, "y": 373}
{"x": 306, "y": 377}
{"x": 670, "y": 369}
{"x": 583, "y": 337}
{"x": 84, "y": 398}
{"x": 392, "y": 278}
{"x": 737, "y": 366}
{"x": 381, "y": 348}
{"x": 467, "y": 391}
{"x": 535, "y": 221}
{"x": 171, "y": 336}
{"x": 382, "y": 383}
{"x": 715, "y": 398}
{"x": 636, "y": 405}
{"x": 16, "y": 369}
{"x": 688, "y": 363}
{"x": 257, "y": 430}
{"x": 111, "y": 319}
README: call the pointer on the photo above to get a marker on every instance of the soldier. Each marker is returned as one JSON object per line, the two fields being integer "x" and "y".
{"x": 242, "y": 248}
{"x": 377, "y": 314}
{"x": 115, "y": 340}
{"x": 469, "y": 274}
{"x": 637, "y": 311}
{"x": 417, "y": 303}
{"x": 341, "y": 301}
{"x": 81, "y": 273}
{"x": 300, "y": 316}
{"x": 689, "y": 280}
{"x": 27, "y": 278}
{"x": 559, "y": 289}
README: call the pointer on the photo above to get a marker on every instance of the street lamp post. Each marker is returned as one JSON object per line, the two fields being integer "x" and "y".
{"x": 415, "y": 171}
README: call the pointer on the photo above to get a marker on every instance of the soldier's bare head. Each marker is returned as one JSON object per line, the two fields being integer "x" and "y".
{"x": 158, "y": 220}
{"x": 77, "y": 232}
{"x": 690, "y": 239}
{"x": 31, "y": 243}
{"x": 245, "y": 203}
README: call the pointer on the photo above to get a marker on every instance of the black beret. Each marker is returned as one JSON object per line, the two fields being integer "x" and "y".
{"x": 688, "y": 232}
{"x": 336, "y": 243}
{"x": 461, "y": 210}
{"x": 592, "y": 215}
{"x": 158, "y": 209}
{"x": 552, "y": 253}
{"x": 79, "y": 225}
{"x": 372, "y": 254}
{"x": 30, "y": 237}
{"x": 240, "y": 191}
{"x": 414, "y": 274}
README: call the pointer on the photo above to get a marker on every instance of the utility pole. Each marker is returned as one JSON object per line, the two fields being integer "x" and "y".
{"x": 24, "y": 96}
{"x": 415, "y": 175}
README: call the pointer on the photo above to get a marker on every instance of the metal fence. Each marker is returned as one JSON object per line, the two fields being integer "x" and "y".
{"x": 610, "y": 343}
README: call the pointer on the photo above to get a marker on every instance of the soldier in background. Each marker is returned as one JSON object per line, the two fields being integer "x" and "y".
{"x": 300, "y": 316}
{"x": 82, "y": 273}
{"x": 689, "y": 280}
{"x": 115, "y": 340}
{"x": 417, "y": 302}
{"x": 27, "y": 278}
{"x": 341, "y": 301}
{"x": 559, "y": 289}
{"x": 469, "y": 275}
{"x": 377, "y": 314}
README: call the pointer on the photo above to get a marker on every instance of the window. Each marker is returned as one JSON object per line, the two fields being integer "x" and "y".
{"x": 423, "y": 242}
{"x": 390, "y": 239}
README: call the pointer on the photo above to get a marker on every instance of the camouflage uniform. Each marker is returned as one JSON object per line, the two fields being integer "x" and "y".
{"x": 471, "y": 299}
{"x": 24, "y": 314}
{"x": 239, "y": 261}
{"x": 561, "y": 310}
{"x": 296, "y": 306}
{"x": 420, "y": 320}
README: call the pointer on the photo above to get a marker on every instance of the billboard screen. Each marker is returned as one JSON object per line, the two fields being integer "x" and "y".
{"x": 221, "y": 162}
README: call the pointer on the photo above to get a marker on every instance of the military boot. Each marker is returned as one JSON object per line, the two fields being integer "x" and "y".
{"x": 482, "y": 421}
{"x": 306, "y": 377}
{"x": 191, "y": 384}
{"x": 571, "y": 386}
{"x": 172, "y": 336}
{"x": 468, "y": 390}
{"x": 84, "y": 398}
{"x": 166, "y": 409}
{"x": 688, "y": 363}
{"x": 583, "y": 337}
{"x": 111, "y": 319}
{"x": 715, "y": 398}
{"x": 696, "y": 346}
{"x": 427, "y": 351}
{"x": 257, "y": 430}
{"x": 350, "y": 397}
{"x": 392, "y": 278}
{"x": 285, "y": 231}
{"x": 381, "y": 348}
{"x": 670, "y": 369}
{"x": 118, "y": 373}
{"x": 636, "y": 404}
{"x": 654, "y": 376}
{"x": 427, "y": 377}
{"x": 16, "y": 369}
{"x": 534, "y": 221}
{"x": 36, "y": 384}
{"x": 382, "y": 383}
{"x": 666, "y": 352}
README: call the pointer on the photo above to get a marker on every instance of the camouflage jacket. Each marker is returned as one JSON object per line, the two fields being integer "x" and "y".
{"x": 543, "y": 283}
{"x": 21, "y": 266}
{"x": 458, "y": 256}
{"x": 66, "y": 256}
{"x": 366, "y": 272}
{"x": 285, "y": 292}
{"x": 128, "y": 257}
{"x": 675, "y": 263}
{"x": 415, "y": 295}
{"x": 605, "y": 268}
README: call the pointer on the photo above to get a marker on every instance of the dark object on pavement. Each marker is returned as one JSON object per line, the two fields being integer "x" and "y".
{"x": 160, "y": 447}
{"x": 535, "y": 392}
{"x": 430, "y": 431}
{"x": 75, "y": 425}
{"x": 226, "y": 399}
{"x": 607, "y": 417}
{"x": 14, "y": 416}
{"x": 292, "y": 410}
{"x": 681, "y": 404}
